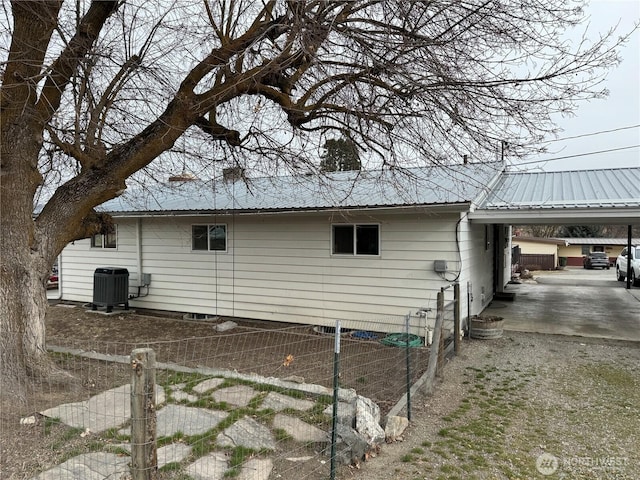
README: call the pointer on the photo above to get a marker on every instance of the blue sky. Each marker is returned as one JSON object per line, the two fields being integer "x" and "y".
{"x": 621, "y": 109}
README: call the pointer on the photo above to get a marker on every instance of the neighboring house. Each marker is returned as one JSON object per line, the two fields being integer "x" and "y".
{"x": 309, "y": 249}
{"x": 538, "y": 253}
{"x": 577, "y": 248}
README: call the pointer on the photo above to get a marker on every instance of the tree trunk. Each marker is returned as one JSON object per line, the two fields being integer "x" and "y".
{"x": 22, "y": 342}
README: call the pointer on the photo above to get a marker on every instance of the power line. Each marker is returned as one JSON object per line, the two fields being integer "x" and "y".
{"x": 592, "y": 134}
{"x": 579, "y": 155}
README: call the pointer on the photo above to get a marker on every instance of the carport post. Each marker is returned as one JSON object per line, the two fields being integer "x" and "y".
{"x": 629, "y": 228}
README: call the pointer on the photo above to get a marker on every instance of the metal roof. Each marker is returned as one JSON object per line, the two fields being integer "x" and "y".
{"x": 436, "y": 185}
{"x": 616, "y": 187}
{"x": 600, "y": 241}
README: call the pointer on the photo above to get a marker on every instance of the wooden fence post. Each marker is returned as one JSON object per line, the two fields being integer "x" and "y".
{"x": 144, "y": 461}
{"x": 434, "y": 351}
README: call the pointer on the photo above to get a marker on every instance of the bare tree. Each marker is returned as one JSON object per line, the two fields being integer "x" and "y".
{"x": 94, "y": 93}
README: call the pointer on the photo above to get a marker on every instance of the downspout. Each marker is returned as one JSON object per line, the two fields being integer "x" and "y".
{"x": 139, "y": 252}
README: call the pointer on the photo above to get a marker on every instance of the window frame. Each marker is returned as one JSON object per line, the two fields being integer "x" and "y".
{"x": 354, "y": 230}
{"x": 210, "y": 226}
{"x": 104, "y": 243}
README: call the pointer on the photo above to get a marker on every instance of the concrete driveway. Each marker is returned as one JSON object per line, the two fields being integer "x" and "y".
{"x": 574, "y": 301}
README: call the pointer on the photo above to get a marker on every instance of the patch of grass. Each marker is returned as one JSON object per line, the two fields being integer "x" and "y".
{"x": 407, "y": 458}
{"x": 281, "y": 434}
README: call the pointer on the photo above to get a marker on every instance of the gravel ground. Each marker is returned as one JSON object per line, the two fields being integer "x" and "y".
{"x": 524, "y": 406}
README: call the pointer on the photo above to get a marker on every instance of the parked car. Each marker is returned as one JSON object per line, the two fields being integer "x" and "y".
{"x": 596, "y": 260}
{"x": 621, "y": 265}
{"x": 52, "y": 282}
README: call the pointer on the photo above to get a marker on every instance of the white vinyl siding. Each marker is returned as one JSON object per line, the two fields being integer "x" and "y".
{"x": 280, "y": 267}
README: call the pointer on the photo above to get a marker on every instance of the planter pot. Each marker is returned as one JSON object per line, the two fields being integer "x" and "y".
{"x": 486, "y": 327}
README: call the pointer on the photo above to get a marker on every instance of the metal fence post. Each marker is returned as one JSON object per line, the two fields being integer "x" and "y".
{"x": 440, "y": 362}
{"x": 408, "y": 360}
{"x": 144, "y": 461}
{"x": 336, "y": 385}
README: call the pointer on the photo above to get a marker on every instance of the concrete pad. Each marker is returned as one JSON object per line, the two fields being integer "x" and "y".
{"x": 300, "y": 431}
{"x": 89, "y": 466}
{"x": 101, "y": 412}
{"x": 278, "y": 402}
{"x": 248, "y": 433}
{"x": 188, "y": 420}
{"x": 256, "y": 469}
{"x": 587, "y": 303}
{"x": 238, "y": 395}
{"x": 210, "y": 467}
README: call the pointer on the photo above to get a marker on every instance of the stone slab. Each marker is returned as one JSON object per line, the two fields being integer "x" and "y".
{"x": 238, "y": 395}
{"x": 248, "y": 433}
{"x": 172, "y": 453}
{"x": 278, "y": 402}
{"x": 89, "y": 466}
{"x": 208, "y": 384}
{"x": 188, "y": 420}
{"x": 256, "y": 469}
{"x": 109, "y": 409}
{"x": 210, "y": 467}
{"x": 300, "y": 431}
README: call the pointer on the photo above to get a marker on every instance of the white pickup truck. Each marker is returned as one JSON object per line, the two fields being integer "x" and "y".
{"x": 621, "y": 265}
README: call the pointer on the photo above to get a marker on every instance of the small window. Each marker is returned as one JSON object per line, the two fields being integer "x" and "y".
{"x": 105, "y": 240}
{"x": 209, "y": 237}
{"x": 586, "y": 249}
{"x": 356, "y": 240}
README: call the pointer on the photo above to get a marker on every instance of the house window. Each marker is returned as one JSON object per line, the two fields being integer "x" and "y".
{"x": 586, "y": 249}
{"x": 105, "y": 240}
{"x": 356, "y": 240}
{"x": 209, "y": 237}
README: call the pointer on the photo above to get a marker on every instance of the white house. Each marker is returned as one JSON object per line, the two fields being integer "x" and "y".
{"x": 309, "y": 249}
{"x": 351, "y": 246}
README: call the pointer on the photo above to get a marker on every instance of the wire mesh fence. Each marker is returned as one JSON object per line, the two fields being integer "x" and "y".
{"x": 254, "y": 400}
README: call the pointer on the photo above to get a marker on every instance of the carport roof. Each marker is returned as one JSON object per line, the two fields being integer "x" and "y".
{"x": 599, "y": 196}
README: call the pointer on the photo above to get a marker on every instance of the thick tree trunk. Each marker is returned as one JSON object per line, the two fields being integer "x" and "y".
{"x": 23, "y": 305}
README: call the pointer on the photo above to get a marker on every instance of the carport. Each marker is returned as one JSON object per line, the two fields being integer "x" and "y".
{"x": 570, "y": 302}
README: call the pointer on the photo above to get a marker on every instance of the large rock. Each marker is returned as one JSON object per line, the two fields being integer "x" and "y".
{"x": 346, "y": 413}
{"x": 368, "y": 421}
{"x": 395, "y": 428}
{"x": 350, "y": 446}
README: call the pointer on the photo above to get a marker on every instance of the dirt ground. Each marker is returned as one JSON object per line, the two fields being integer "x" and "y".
{"x": 501, "y": 408}
{"x": 265, "y": 348}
